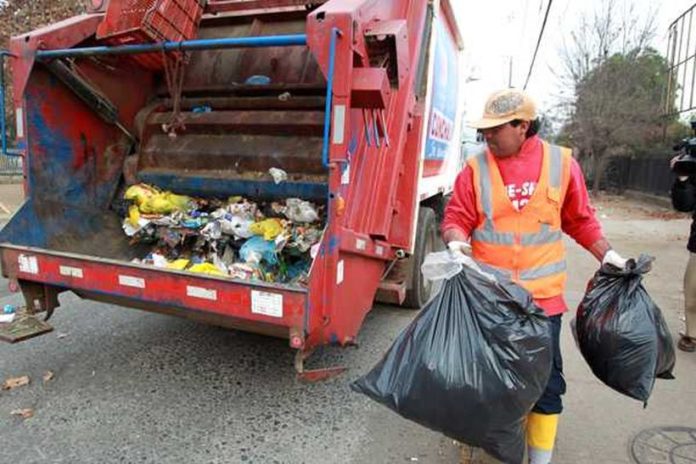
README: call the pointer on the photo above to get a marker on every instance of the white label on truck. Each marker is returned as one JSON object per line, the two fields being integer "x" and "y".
{"x": 379, "y": 250}
{"x": 339, "y": 124}
{"x": 360, "y": 244}
{"x": 28, "y": 264}
{"x": 267, "y": 303}
{"x": 200, "y": 292}
{"x": 19, "y": 113}
{"x": 339, "y": 272}
{"x": 71, "y": 272}
{"x": 128, "y": 281}
{"x": 345, "y": 177}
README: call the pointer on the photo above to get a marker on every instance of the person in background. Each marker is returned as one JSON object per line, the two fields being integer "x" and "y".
{"x": 509, "y": 208}
{"x": 684, "y": 199}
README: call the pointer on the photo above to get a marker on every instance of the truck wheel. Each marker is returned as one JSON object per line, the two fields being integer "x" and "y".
{"x": 427, "y": 241}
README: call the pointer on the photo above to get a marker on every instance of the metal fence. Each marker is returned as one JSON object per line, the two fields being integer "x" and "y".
{"x": 648, "y": 175}
{"x": 10, "y": 165}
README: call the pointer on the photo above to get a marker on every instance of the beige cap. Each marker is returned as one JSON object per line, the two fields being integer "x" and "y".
{"x": 504, "y": 106}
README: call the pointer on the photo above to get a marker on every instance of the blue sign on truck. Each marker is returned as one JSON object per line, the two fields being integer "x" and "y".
{"x": 444, "y": 95}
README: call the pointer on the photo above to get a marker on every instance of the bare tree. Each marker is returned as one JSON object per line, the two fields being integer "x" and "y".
{"x": 614, "y": 83}
{"x": 611, "y": 28}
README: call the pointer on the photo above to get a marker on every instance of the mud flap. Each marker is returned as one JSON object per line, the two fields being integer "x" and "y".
{"x": 24, "y": 327}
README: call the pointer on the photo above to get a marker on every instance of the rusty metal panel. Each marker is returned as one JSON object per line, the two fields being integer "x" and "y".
{"x": 235, "y": 154}
{"x": 293, "y": 103}
{"x": 287, "y": 123}
{"x": 232, "y": 67}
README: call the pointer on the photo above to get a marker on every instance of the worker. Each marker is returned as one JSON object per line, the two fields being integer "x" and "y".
{"x": 684, "y": 199}
{"x": 509, "y": 208}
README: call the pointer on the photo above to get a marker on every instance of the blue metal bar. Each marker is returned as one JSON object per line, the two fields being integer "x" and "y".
{"x": 187, "y": 45}
{"x": 329, "y": 96}
{"x": 3, "y": 122}
{"x": 367, "y": 127}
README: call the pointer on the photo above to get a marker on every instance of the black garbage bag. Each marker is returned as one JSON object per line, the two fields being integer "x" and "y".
{"x": 471, "y": 365}
{"x": 621, "y": 332}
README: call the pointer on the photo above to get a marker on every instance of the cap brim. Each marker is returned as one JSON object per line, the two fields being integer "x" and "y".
{"x": 487, "y": 123}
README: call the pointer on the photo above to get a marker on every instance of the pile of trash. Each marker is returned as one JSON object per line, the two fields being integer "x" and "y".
{"x": 267, "y": 242}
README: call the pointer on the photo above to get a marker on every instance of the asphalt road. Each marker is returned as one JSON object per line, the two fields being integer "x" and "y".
{"x": 131, "y": 386}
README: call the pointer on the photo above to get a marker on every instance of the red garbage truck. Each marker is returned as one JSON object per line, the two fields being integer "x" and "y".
{"x": 357, "y": 101}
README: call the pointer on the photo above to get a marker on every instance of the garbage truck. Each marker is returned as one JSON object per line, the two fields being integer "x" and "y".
{"x": 355, "y": 102}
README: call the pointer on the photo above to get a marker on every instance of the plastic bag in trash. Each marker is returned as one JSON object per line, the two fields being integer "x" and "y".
{"x": 258, "y": 80}
{"x": 212, "y": 230}
{"x": 268, "y": 228}
{"x": 207, "y": 268}
{"x": 237, "y": 226}
{"x": 151, "y": 201}
{"x": 134, "y": 215}
{"x": 278, "y": 175}
{"x": 621, "y": 332}
{"x": 242, "y": 271}
{"x": 179, "y": 264}
{"x": 140, "y": 193}
{"x": 471, "y": 365}
{"x": 257, "y": 249}
{"x": 165, "y": 203}
{"x": 300, "y": 211}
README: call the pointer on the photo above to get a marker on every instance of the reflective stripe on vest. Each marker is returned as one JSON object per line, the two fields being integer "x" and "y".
{"x": 556, "y": 164}
{"x": 543, "y": 271}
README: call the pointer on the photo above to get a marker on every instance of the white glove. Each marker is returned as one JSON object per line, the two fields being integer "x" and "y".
{"x": 456, "y": 246}
{"x": 615, "y": 259}
{"x": 671, "y": 166}
{"x": 673, "y": 161}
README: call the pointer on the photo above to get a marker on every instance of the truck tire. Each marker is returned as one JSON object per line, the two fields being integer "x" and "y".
{"x": 427, "y": 239}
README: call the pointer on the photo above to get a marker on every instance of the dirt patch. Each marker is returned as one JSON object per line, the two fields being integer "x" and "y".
{"x": 617, "y": 207}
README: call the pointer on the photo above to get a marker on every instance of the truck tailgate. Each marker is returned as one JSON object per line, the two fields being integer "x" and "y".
{"x": 275, "y": 308}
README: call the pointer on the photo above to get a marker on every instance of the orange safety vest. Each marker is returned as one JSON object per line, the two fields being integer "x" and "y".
{"x": 528, "y": 244}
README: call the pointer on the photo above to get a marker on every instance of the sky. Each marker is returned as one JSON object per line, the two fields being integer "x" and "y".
{"x": 496, "y": 32}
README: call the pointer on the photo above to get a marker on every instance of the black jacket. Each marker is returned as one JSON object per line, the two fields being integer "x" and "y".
{"x": 684, "y": 199}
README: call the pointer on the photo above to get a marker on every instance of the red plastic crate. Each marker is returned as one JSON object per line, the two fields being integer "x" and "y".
{"x": 128, "y": 22}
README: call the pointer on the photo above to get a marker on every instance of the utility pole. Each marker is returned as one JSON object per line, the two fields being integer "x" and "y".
{"x": 510, "y": 72}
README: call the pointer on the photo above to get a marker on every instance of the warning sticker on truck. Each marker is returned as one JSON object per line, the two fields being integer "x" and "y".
{"x": 28, "y": 264}
{"x": 200, "y": 292}
{"x": 69, "y": 271}
{"x": 129, "y": 281}
{"x": 266, "y": 303}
